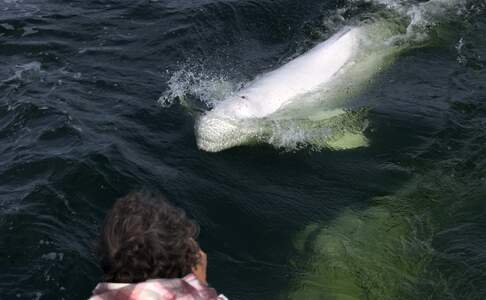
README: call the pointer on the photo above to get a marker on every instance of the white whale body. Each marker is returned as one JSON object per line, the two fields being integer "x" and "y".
{"x": 307, "y": 95}
{"x": 301, "y": 75}
{"x": 318, "y": 76}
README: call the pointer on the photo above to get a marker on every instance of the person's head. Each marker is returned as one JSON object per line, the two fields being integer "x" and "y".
{"x": 144, "y": 237}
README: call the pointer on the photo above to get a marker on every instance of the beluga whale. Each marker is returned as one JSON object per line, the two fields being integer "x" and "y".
{"x": 304, "y": 101}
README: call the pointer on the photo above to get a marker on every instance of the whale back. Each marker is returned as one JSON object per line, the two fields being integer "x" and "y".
{"x": 267, "y": 93}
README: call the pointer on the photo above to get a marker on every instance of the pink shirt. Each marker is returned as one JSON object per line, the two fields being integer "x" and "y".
{"x": 187, "y": 288}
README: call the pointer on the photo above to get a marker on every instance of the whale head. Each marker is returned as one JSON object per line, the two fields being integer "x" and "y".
{"x": 215, "y": 133}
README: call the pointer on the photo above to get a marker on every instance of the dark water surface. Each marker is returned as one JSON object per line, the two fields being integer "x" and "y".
{"x": 80, "y": 126}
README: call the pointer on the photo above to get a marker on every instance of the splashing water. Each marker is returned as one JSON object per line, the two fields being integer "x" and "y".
{"x": 208, "y": 88}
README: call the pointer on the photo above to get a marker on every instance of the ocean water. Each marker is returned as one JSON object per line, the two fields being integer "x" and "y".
{"x": 90, "y": 109}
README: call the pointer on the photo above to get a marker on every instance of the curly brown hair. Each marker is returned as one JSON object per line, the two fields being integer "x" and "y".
{"x": 144, "y": 237}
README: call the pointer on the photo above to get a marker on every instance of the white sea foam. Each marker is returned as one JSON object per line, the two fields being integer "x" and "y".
{"x": 25, "y": 72}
